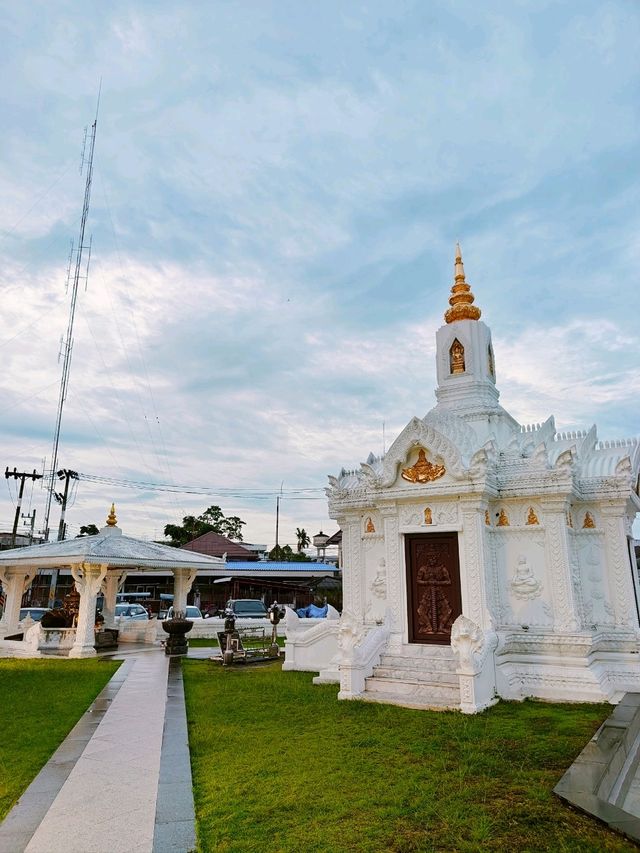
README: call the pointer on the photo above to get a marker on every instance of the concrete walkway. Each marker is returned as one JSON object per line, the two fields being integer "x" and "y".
{"x": 121, "y": 781}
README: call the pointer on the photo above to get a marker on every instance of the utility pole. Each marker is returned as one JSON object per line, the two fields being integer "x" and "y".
{"x": 278, "y": 499}
{"x": 32, "y": 518}
{"x": 22, "y": 476}
{"x": 66, "y": 475}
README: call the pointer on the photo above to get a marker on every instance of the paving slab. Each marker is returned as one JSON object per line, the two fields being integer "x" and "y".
{"x": 121, "y": 781}
{"x": 108, "y": 801}
{"x": 25, "y": 817}
{"x": 175, "y": 814}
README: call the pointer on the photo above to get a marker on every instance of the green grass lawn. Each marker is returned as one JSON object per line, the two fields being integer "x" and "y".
{"x": 40, "y": 702}
{"x": 280, "y": 766}
{"x": 206, "y": 642}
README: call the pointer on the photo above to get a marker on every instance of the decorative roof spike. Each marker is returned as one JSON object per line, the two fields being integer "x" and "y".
{"x": 111, "y": 518}
{"x": 461, "y": 299}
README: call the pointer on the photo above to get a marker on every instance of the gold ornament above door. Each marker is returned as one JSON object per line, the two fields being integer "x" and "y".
{"x": 423, "y": 471}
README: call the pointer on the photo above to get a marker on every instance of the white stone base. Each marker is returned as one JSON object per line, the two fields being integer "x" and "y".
{"x": 568, "y": 668}
{"x": 17, "y": 649}
{"x": 82, "y": 652}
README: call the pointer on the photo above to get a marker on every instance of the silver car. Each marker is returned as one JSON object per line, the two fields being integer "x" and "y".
{"x": 127, "y": 611}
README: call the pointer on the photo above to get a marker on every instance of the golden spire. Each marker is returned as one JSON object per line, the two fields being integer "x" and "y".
{"x": 461, "y": 299}
{"x": 111, "y": 518}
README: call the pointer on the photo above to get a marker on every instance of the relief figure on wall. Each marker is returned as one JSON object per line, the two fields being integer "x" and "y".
{"x": 434, "y": 611}
{"x": 378, "y": 589}
{"x": 524, "y": 583}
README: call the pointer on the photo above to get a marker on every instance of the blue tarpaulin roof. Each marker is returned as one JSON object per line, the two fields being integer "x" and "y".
{"x": 279, "y": 566}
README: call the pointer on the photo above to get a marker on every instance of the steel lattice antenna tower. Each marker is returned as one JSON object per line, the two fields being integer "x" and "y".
{"x": 67, "y": 344}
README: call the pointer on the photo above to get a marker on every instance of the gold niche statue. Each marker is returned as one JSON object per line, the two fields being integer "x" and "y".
{"x": 456, "y": 357}
{"x": 423, "y": 471}
{"x": 111, "y": 518}
{"x": 589, "y": 522}
{"x": 532, "y": 518}
{"x": 503, "y": 520}
{"x": 487, "y": 518}
{"x": 370, "y": 526}
{"x": 428, "y": 517}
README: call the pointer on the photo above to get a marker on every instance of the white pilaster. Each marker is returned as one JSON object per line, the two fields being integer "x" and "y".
{"x": 474, "y": 574}
{"x": 15, "y": 582}
{"x": 557, "y": 548}
{"x": 88, "y": 579}
{"x": 618, "y": 564}
{"x": 182, "y": 582}
{"x": 352, "y": 579}
{"x": 395, "y": 580}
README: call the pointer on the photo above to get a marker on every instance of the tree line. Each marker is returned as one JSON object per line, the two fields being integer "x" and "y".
{"x": 213, "y": 520}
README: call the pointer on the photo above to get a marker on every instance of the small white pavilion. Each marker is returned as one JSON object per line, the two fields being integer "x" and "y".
{"x": 483, "y": 558}
{"x": 97, "y": 563}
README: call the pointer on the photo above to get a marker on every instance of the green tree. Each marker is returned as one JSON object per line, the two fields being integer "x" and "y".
{"x": 303, "y": 539}
{"x": 211, "y": 520}
{"x": 87, "y": 530}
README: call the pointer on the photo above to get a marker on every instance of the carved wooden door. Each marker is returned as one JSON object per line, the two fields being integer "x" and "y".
{"x": 433, "y": 586}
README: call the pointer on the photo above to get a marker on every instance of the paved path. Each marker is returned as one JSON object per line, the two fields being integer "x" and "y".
{"x": 121, "y": 781}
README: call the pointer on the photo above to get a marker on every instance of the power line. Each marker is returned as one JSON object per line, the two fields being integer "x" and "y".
{"x": 306, "y": 493}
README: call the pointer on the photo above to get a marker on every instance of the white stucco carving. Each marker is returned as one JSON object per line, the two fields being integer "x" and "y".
{"x": 523, "y": 583}
{"x": 542, "y": 519}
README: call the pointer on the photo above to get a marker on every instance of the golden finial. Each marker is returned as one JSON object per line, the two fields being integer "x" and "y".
{"x": 461, "y": 299}
{"x": 111, "y": 518}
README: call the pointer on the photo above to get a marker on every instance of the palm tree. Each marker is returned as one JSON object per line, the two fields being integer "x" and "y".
{"x": 303, "y": 539}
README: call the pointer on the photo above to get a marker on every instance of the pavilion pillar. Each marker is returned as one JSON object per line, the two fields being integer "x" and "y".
{"x": 15, "y": 582}
{"x": 182, "y": 582}
{"x": 88, "y": 580}
{"x": 110, "y": 586}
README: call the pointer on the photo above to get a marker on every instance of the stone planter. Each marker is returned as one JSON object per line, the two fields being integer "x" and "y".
{"x": 106, "y": 638}
{"x": 177, "y": 629}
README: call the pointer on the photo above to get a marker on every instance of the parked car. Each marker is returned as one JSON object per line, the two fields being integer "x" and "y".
{"x": 127, "y": 611}
{"x": 36, "y": 613}
{"x": 248, "y": 608}
{"x": 193, "y": 613}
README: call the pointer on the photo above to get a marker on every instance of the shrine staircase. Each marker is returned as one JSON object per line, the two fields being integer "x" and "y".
{"x": 420, "y": 676}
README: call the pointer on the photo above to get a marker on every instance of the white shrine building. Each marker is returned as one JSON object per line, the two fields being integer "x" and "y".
{"x": 483, "y": 559}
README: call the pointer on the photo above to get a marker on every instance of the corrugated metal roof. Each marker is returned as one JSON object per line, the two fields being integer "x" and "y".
{"x": 215, "y": 545}
{"x": 276, "y": 566}
{"x": 111, "y": 547}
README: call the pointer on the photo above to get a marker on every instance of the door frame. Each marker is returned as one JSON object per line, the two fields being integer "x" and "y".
{"x": 452, "y": 536}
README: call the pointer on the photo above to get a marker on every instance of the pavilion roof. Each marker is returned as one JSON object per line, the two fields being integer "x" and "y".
{"x": 111, "y": 547}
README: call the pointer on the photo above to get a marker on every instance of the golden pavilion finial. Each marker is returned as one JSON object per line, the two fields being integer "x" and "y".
{"x": 461, "y": 299}
{"x": 111, "y": 518}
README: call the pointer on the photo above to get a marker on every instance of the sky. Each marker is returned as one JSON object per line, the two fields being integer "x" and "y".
{"x": 278, "y": 188}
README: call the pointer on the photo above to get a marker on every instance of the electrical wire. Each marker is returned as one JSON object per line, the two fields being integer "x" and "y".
{"x": 221, "y": 491}
{"x": 39, "y": 198}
